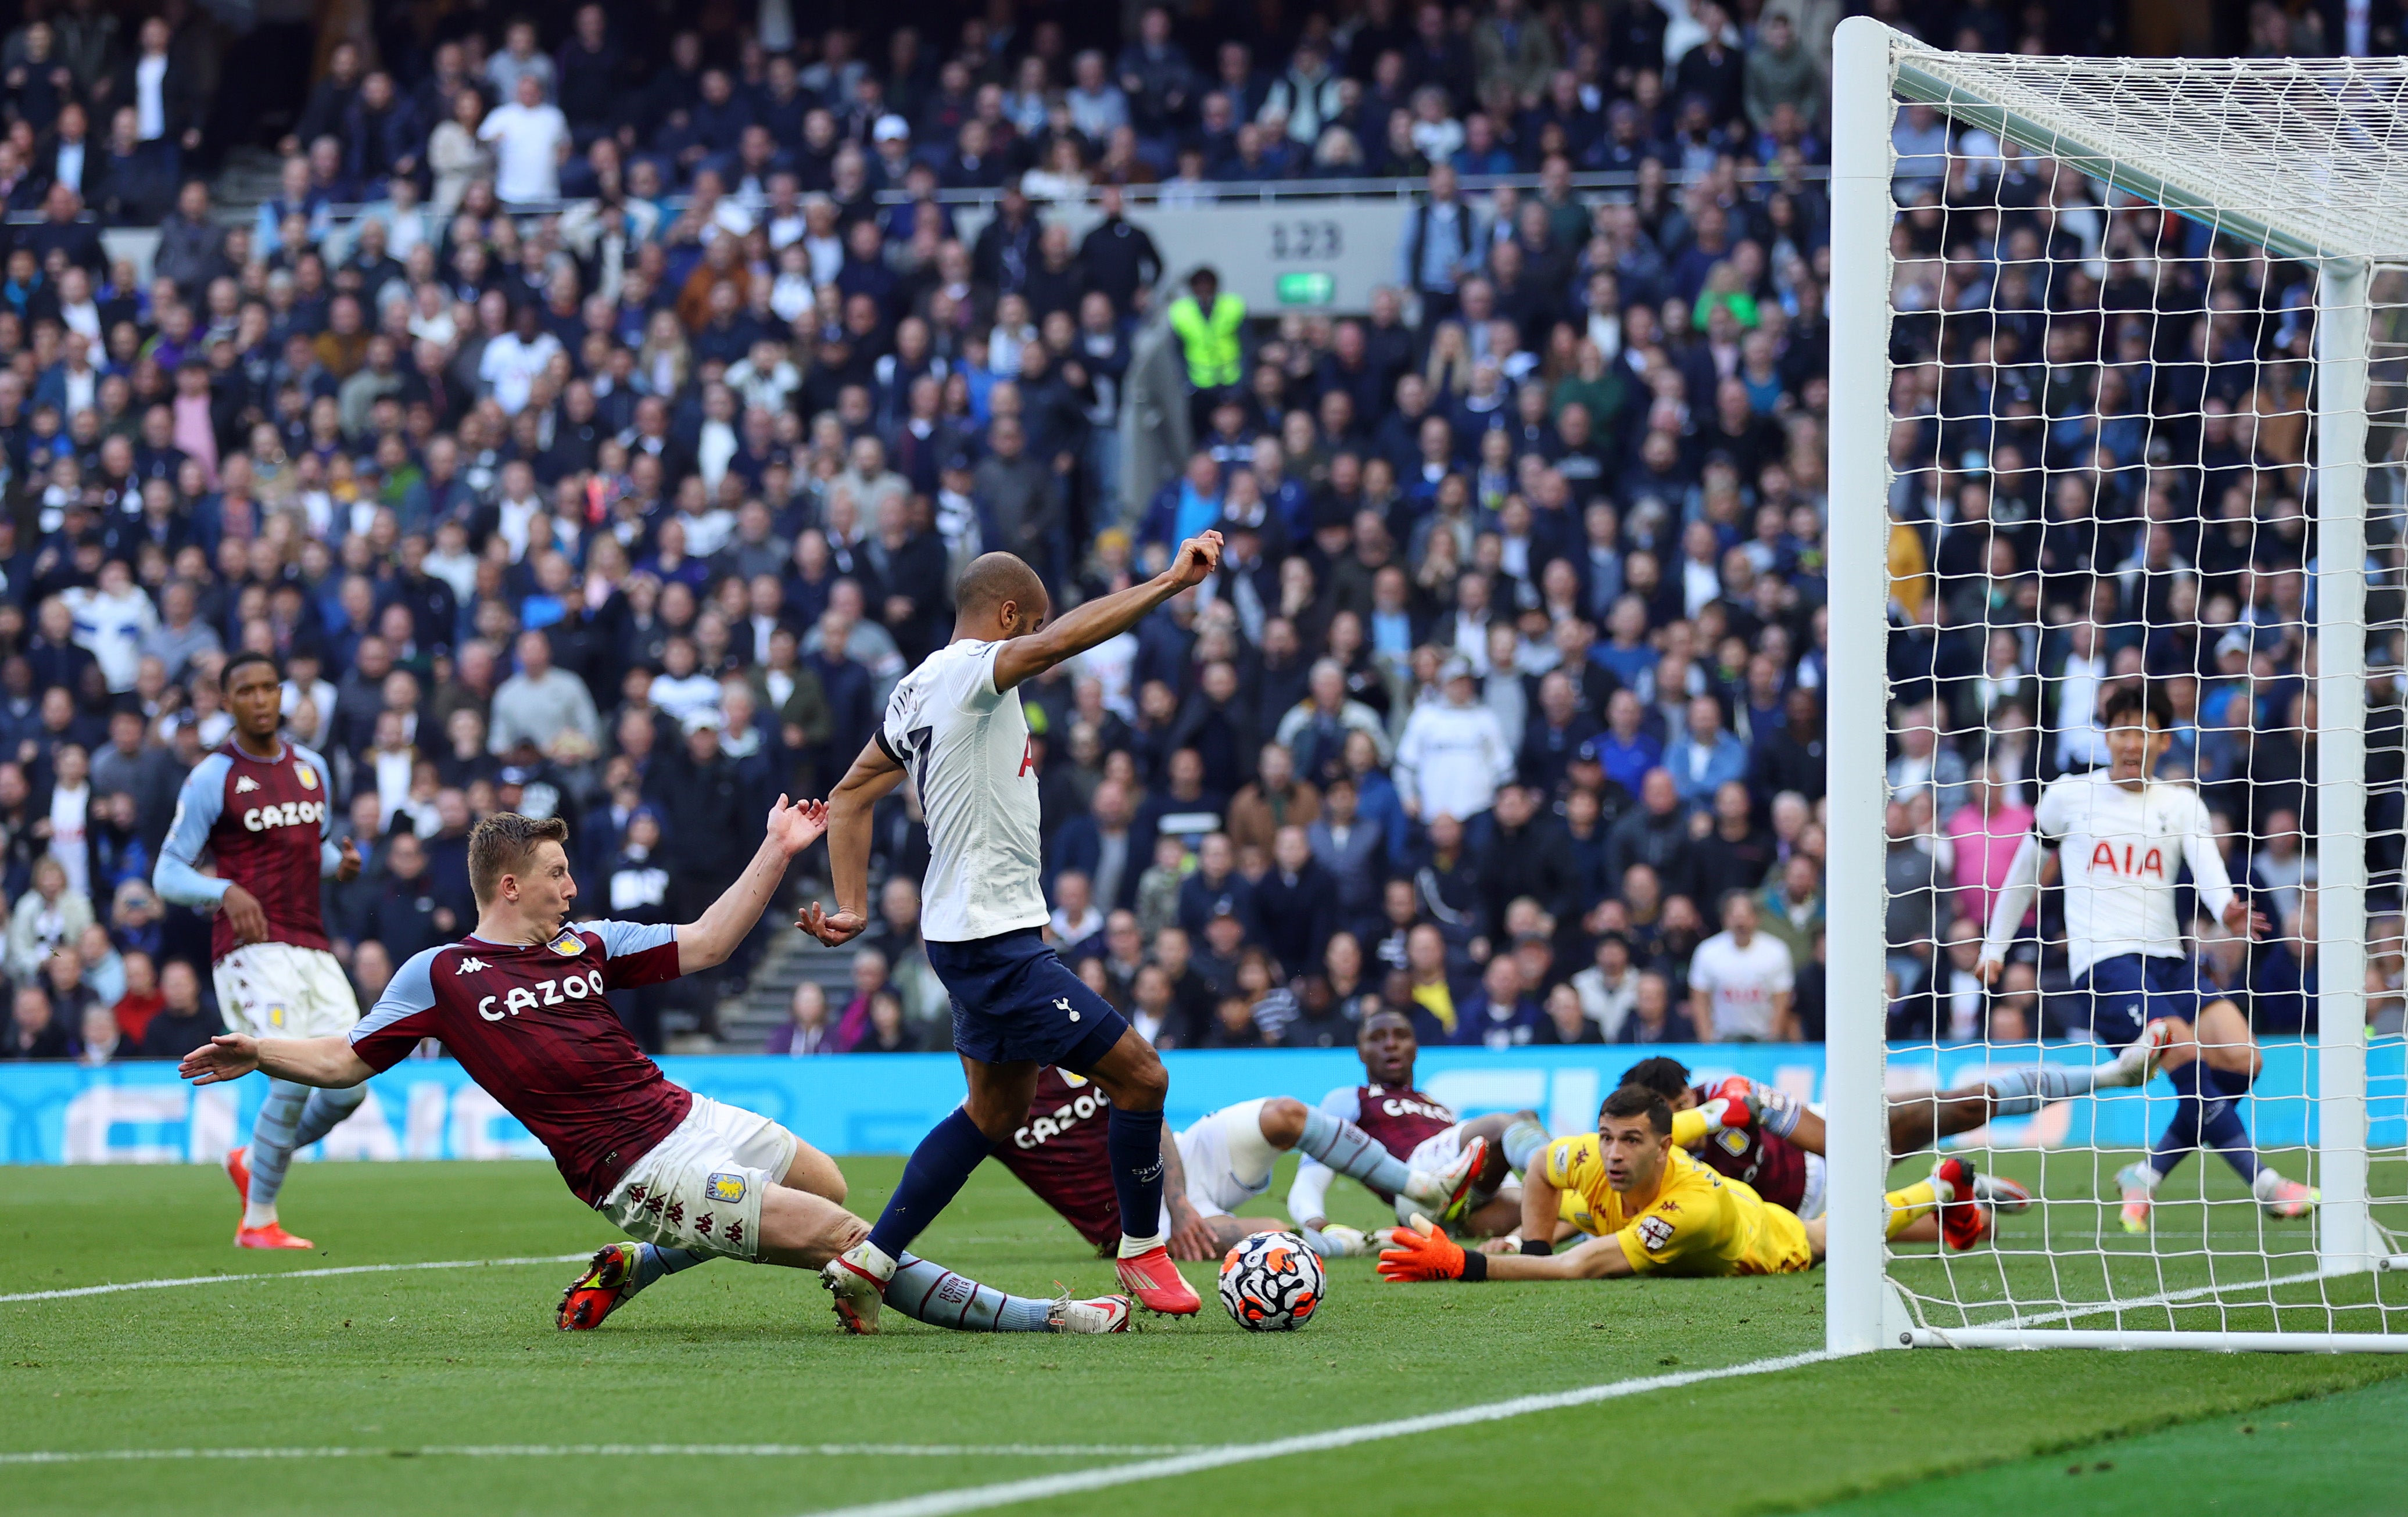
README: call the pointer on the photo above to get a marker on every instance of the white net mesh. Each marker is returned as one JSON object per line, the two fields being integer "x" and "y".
{"x": 2104, "y": 481}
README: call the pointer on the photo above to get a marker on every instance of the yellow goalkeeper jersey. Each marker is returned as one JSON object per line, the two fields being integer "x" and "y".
{"x": 1701, "y": 1223}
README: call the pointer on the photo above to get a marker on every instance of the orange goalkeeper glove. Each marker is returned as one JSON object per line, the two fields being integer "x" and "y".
{"x": 1421, "y": 1253}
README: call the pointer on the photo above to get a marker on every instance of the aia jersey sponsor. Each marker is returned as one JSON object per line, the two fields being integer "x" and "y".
{"x": 1398, "y": 1120}
{"x": 1059, "y": 1154}
{"x": 532, "y": 1024}
{"x": 2120, "y": 852}
{"x": 1768, "y": 1163}
{"x": 264, "y": 823}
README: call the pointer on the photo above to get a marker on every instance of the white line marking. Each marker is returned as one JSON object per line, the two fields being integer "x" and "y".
{"x": 2110, "y": 1308}
{"x": 1038, "y": 1488}
{"x": 591, "y": 1450}
{"x": 294, "y": 1273}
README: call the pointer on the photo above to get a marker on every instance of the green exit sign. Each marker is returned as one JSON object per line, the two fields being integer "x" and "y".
{"x": 1307, "y": 289}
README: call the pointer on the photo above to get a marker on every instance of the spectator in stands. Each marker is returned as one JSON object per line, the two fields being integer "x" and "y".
{"x": 182, "y": 1023}
{"x": 805, "y": 1031}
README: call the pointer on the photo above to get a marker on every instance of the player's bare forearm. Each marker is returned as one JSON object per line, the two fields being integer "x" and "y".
{"x": 1600, "y": 1258}
{"x": 1701, "y": 1015}
{"x": 1106, "y": 617}
{"x": 327, "y": 1063}
{"x": 709, "y": 939}
{"x": 849, "y": 807}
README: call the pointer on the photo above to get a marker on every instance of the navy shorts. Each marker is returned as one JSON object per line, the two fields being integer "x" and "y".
{"x": 1014, "y": 1001}
{"x": 2132, "y": 990}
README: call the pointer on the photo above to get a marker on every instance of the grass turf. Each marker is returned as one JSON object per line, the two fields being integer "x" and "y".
{"x": 404, "y": 1361}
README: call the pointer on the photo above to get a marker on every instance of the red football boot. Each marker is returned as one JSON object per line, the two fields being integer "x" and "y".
{"x": 1964, "y": 1220}
{"x": 1156, "y": 1284}
{"x": 595, "y": 1293}
{"x": 269, "y": 1236}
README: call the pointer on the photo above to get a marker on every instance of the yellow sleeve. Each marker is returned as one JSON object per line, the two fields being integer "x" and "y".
{"x": 1563, "y": 1155}
{"x": 1688, "y": 1128}
{"x": 1687, "y": 1216}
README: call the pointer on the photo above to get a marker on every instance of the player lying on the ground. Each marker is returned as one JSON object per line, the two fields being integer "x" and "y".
{"x": 1758, "y": 1134}
{"x": 1210, "y": 1169}
{"x": 522, "y": 1003}
{"x": 2121, "y": 836}
{"x": 955, "y": 724}
{"x": 1648, "y": 1206}
{"x": 258, "y": 805}
{"x": 1422, "y": 1133}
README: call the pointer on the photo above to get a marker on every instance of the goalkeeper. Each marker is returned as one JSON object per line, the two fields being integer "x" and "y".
{"x": 2121, "y": 836}
{"x": 1652, "y": 1208}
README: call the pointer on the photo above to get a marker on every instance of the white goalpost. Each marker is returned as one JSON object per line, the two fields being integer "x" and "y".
{"x": 2113, "y": 344}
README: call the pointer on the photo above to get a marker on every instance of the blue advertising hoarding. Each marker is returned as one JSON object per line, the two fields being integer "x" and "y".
{"x": 427, "y": 1109}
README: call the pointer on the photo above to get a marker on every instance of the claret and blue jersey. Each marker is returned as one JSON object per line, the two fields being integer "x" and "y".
{"x": 265, "y": 823}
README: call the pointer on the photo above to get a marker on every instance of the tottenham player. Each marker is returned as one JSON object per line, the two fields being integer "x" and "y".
{"x": 955, "y": 724}
{"x": 523, "y": 1004}
{"x": 2121, "y": 836}
{"x": 1485, "y": 1152}
{"x": 1210, "y": 1169}
{"x": 258, "y": 805}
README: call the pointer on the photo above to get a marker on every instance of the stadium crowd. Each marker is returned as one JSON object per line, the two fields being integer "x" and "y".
{"x": 596, "y": 419}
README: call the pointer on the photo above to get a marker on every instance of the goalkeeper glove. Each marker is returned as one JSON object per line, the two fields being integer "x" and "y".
{"x": 1422, "y": 1251}
{"x": 1742, "y": 1105}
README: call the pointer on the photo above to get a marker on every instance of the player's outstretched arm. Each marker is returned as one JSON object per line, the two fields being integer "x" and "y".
{"x": 849, "y": 807}
{"x": 327, "y": 1063}
{"x": 2016, "y": 893}
{"x": 706, "y": 941}
{"x": 1107, "y": 616}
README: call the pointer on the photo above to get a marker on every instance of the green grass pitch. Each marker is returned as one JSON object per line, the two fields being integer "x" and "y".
{"x": 397, "y": 1366}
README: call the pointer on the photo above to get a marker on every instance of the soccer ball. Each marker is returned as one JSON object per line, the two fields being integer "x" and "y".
{"x": 1271, "y": 1283}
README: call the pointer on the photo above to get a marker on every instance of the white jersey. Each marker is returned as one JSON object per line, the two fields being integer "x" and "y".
{"x": 2119, "y": 852}
{"x": 1740, "y": 983}
{"x": 966, "y": 746}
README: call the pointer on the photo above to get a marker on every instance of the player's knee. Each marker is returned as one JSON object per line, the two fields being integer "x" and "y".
{"x": 1282, "y": 1122}
{"x": 1145, "y": 1086}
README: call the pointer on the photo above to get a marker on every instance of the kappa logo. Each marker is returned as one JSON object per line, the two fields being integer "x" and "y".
{"x": 724, "y": 1186}
{"x": 244, "y": 783}
{"x": 470, "y": 965}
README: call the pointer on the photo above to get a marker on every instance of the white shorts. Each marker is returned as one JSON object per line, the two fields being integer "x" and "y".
{"x": 700, "y": 1187}
{"x": 1227, "y": 1160}
{"x": 276, "y": 989}
{"x": 1818, "y": 1182}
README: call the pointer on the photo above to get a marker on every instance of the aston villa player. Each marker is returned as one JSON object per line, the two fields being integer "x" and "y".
{"x": 258, "y": 805}
{"x": 523, "y": 1004}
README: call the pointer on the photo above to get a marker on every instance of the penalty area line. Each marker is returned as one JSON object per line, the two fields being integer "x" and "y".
{"x": 1044, "y": 1487}
{"x": 292, "y": 1274}
{"x": 613, "y": 1451}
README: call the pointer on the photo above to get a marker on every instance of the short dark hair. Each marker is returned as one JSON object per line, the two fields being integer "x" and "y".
{"x": 1638, "y": 1101}
{"x": 247, "y": 656}
{"x": 2146, "y": 700}
{"x": 502, "y": 844}
{"x": 993, "y": 579}
{"x": 1667, "y": 1078}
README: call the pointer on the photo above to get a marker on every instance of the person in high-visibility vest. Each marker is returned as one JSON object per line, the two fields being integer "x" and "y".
{"x": 1210, "y": 328}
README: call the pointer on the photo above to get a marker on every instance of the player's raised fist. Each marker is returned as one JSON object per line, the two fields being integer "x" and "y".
{"x": 835, "y": 929}
{"x": 796, "y": 825}
{"x": 1199, "y": 556}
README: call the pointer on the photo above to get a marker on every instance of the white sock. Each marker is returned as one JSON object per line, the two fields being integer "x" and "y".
{"x": 256, "y": 1215}
{"x": 2262, "y": 1188}
{"x": 1132, "y": 1247}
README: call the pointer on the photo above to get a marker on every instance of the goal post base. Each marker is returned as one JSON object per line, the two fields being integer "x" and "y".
{"x": 2054, "y": 1337}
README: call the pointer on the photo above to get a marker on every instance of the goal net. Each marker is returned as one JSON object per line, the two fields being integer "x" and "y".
{"x": 2119, "y": 357}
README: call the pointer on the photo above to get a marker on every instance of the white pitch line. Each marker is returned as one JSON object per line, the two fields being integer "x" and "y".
{"x": 2109, "y": 1309}
{"x": 292, "y": 1274}
{"x": 591, "y": 1451}
{"x": 1038, "y": 1488}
